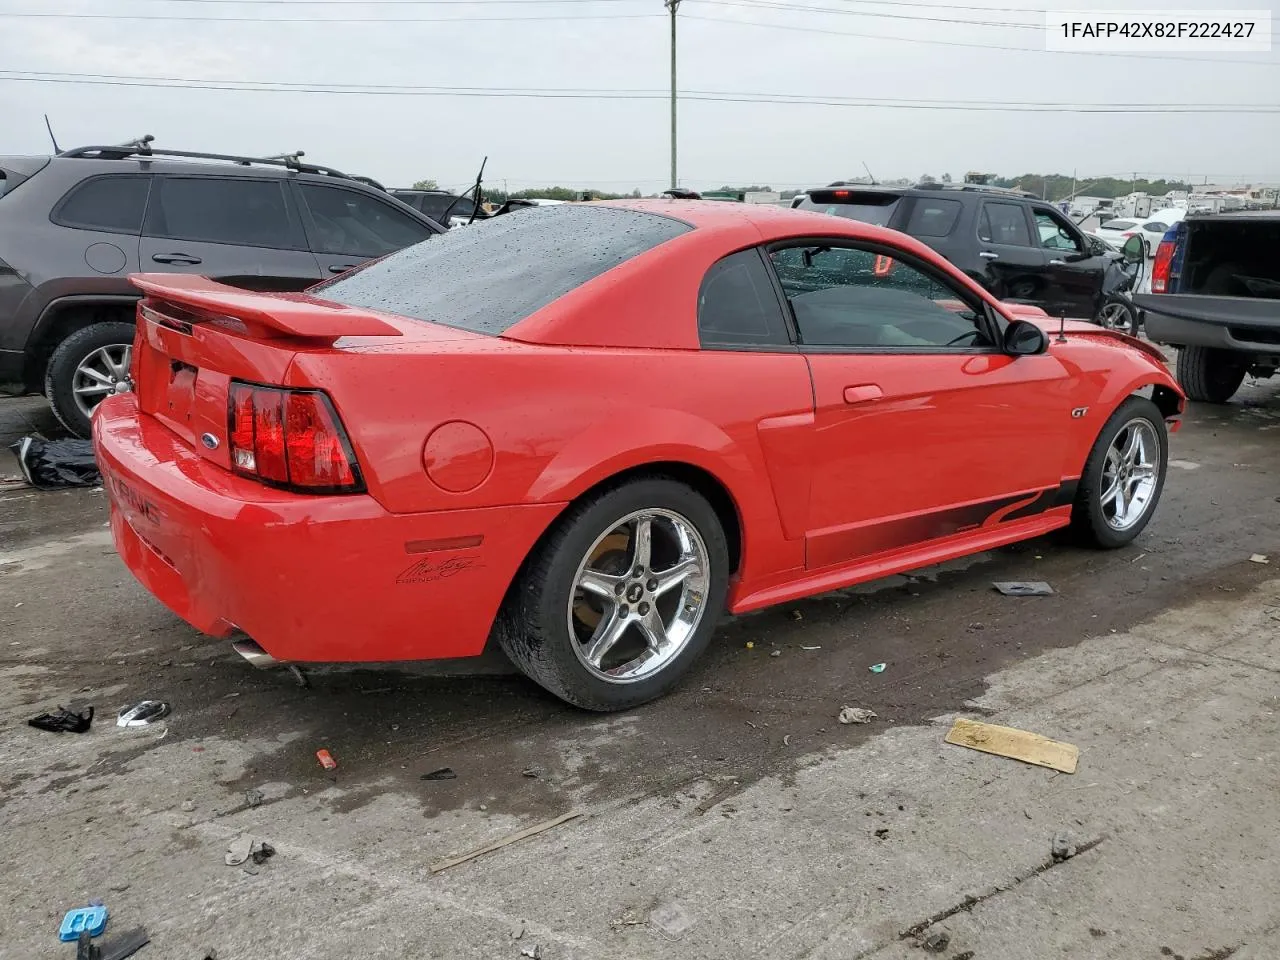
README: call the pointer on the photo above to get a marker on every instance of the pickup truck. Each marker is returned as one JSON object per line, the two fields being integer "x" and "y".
{"x": 1215, "y": 295}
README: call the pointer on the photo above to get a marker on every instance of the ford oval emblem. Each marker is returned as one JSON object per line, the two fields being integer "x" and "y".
{"x": 209, "y": 440}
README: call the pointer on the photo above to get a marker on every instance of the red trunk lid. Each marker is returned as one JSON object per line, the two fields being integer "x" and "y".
{"x": 194, "y": 336}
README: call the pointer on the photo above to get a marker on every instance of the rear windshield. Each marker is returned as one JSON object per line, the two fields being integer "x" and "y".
{"x": 495, "y": 273}
{"x": 1119, "y": 225}
{"x": 865, "y": 205}
{"x": 435, "y": 205}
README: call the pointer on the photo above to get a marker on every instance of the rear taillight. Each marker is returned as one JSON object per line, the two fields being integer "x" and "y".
{"x": 1160, "y": 270}
{"x": 291, "y": 439}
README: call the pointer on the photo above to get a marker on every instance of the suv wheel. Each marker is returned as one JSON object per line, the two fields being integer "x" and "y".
{"x": 1210, "y": 375}
{"x": 88, "y": 366}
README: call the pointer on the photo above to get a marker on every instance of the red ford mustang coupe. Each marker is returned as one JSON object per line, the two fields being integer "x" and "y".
{"x": 586, "y": 430}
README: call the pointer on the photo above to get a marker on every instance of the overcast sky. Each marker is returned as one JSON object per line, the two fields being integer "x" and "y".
{"x": 621, "y": 144}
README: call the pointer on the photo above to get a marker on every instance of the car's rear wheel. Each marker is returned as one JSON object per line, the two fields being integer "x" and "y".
{"x": 87, "y": 367}
{"x": 621, "y": 597}
{"x": 1210, "y": 375}
{"x": 1123, "y": 477}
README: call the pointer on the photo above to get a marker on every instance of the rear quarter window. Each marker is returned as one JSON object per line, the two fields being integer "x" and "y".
{"x": 492, "y": 275}
{"x": 112, "y": 204}
{"x": 933, "y": 217}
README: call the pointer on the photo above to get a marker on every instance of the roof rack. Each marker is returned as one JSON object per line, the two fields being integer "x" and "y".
{"x": 976, "y": 187}
{"x": 142, "y": 148}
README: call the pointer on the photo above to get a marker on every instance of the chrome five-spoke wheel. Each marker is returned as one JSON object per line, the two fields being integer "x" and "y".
{"x": 1129, "y": 474}
{"x": 103, "y": 372}
{"x": 1115, "y": 315}
{"x": 638, "y": 595}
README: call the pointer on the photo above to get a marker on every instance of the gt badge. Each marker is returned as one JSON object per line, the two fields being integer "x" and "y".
{"x": 1079, "y": 412}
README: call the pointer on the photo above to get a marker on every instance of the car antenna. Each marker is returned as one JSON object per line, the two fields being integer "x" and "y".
{"x": 871, "y": 175}
{"x": 475, "y": 201}
{"x": 48, "y": 126}
{"x": 1062, "y": 326}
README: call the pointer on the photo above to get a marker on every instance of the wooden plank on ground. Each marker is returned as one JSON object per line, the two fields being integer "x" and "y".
{"x": 1015, "y": 744}
{"x": 505, "y": 841}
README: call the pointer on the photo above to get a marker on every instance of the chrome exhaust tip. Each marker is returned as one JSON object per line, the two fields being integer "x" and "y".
{"x": 255, "y": 655}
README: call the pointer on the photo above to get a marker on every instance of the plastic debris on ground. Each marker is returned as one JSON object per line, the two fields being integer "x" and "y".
{"x": 248, "y": 847}
{"x": 878, "y": 667}
{"x": 1014, "y": 744}
{"x": 117, "y": 948}
{"x": 671, "y": 920}
{"x": 856, "y": 715}
{"x": 444, "y": 773}
{"x": 534, "y": 952}
{"x": 52, "y": 464}
{"x": 63, "y": 721}
{"x": 142, "y": 714}
{"x": 326, "y": 759}
{"x": 1024, "y": 588}
{"x": 90, "y": 920}
{"x": 1259, "y": 558}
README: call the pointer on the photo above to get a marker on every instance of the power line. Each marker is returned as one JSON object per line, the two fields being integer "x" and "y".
{"x": 340, "y": 20}
{"x": 765, "y": 5}
{"x": 983, "y": 46}
{"x": 406, "y": 88}
{"x": 708, "y": 96}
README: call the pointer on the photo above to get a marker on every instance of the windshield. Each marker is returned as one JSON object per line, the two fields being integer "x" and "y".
{"x": 495, "y": 273}
{"x": 866, "y": 206}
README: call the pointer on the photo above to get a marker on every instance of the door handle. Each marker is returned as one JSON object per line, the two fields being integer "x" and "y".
{"x": 183, "y": 258}
{"x": 862, "y": 393}
{"x": 988, "y": 255}
{"x": 1057, "y": 263}
{"x": 343, "y": 268}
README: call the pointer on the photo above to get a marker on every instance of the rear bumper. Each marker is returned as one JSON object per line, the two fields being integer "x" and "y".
{"x": 1239, "y": 325}
{"x": 310, "y": 578}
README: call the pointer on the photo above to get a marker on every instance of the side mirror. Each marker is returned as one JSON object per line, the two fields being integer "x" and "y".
{"x": 1134, "y": 250}
{"x": 1022, "y": 338}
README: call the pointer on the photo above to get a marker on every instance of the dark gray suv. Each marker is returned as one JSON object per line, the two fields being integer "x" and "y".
{"x": 75, "y": 225}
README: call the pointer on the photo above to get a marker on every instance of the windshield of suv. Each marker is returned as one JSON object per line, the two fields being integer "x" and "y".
{"x": 867, "y": 206}
{"x": 495, "y": 273}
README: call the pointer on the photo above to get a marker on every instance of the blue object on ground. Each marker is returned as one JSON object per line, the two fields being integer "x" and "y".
{"x": 93, "y": 920}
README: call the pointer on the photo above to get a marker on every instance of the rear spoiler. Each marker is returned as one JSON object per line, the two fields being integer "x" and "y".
{"x": 266, "y": 316}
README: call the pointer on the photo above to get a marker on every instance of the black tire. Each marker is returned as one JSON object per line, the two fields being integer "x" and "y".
{"x": 1088, "y": 517}
{"x": 70, "y": 353}
{"x": 533, "y": 627}
{"x": 1210, "y": 375}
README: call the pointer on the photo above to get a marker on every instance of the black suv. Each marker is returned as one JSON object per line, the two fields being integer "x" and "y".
{"x": 447, "y": 208}
{"x": 1014, "y": 244}
{"x": 75, "y": 225}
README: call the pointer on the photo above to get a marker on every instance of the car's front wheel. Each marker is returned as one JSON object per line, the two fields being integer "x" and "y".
{"x": 1123, "y": 477}
{"x": 87, "y": 367}
{"x": 621, "y": 597}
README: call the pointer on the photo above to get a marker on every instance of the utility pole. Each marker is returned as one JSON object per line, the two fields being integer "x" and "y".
{"x": 672, "y": 5}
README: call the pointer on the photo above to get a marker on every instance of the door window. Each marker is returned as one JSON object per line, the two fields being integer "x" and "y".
{"x": 1055, "y": 234}
{"x": 250, "y": 213}
{"x": 861, "y": 299}
{"x": 109, "y": 204}
{"x": 1003, "y": 223}
{"x": 355, "y": 224}
{"x": 737, "y": 305}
